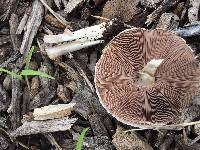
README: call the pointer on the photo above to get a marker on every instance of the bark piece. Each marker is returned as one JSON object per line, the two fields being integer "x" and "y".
{"x": 86, "y": 102}
{"x": 98, "y": 143}
{"x": 168, "y": 21}
{"x": 73, "y": 4}
{"x": 14, "y": 22}
{"x": 63, "y": 93}
{"x": 32, "y": 26}
{"x": 129, "y": 141}
{"x": 124, "y": 9}
{"x": 14, "y": 107}
{"x": 150, "y": 3}
{"x": 193, "y": 11}
{"x": 35, "y": 127}
{"x": 7, "y": 7}
{"x": 165, "y": 6}
{"x": 3, "y": 142}
{"x": 26, "y": 101}
{"x": 4, "y": 99}
{"x": 42, "y": 98}
{"x": 53, "y": 111}
{"x": 189, "y": 30}
{"x": 96, "y": 122}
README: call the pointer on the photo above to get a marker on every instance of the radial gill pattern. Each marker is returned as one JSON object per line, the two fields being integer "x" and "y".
{"x": 176, "y": 78}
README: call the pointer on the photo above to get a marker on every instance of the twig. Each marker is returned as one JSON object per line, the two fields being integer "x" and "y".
{"x": 57, "y": 16}
{"x": 167, "y": 127}
{"x": 106, "y": 19}
{"x": 52, "y": 140}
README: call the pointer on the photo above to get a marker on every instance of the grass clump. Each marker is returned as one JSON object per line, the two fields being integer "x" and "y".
{"x": 80, "y": 139}
{"x": 26, "y": 71}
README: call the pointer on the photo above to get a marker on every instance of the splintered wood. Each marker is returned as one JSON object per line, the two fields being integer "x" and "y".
{"x": 35, "y": 127}
{"x": 53, "y": 111}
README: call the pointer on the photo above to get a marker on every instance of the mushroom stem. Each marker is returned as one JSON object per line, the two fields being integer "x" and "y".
{"x": 56, "y": 51}
{"x": 148, "y": 72}
{"x": 76, "y": 40}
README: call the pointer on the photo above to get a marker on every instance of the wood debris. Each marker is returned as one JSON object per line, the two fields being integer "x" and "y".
{"x": 168, "y": 21}
{"x": 53, "y": 111}
{"x": 4, "y": 99}
{"x": 32, "y": 26}
{"x": 193, "y": 11}
{"x": 150, "y": 3}
{"x": 123, "y": 140}
{"x": 58, "y": 29}
{"x": 46, "y": 126}
{"x": 72, "y": 4}
{"x": 119, "y": 8}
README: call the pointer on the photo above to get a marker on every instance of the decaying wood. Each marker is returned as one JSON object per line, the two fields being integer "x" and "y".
{"x": 193, "y": 11}
{"x": 23, "y": 21}
{"x": 63, "y": 93}
{"x": 150, "y": 3}
{"x": 46, "y": 126}
{"x": 14, "y": 107}
{"x": 122, "y": 140}
{"x": 74, "y": 72}
{"x": 189, "y": 30}
{"x": 166, "y": 5}
{"x": 4, "y": 99}
{"x": 4, "y": 39}
{"x": 7, "y": 7}
{"x": 72, "y": 4}
{"x": 32, "y": 26}
{"x": 124, "y": 9}
{"x": 98, "y": 143}
{"x": 14, "y": 22}
{"x": 96, "y": 122}
{"x": 3, "y": 123}
{"x": 86, "y": 102}
{"x": 52, "y": 140}
{"x": 168, "y": 21}
{"x": 42, "y": 98}
{"x": 56, "y": 15}
{"x": 53, "y": 111}
{"x": 3, "y": 142}
{"x": 26, "y": 101}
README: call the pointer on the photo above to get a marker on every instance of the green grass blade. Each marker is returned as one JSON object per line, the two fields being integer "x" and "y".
{"x": 11, "y": 73}
{"x": 80, "y": 139}
{"x": 35, "y": 73}
{"x": 28, "y": 58}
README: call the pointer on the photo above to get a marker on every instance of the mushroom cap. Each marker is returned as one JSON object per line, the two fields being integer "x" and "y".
{"x": 176, "y": 78}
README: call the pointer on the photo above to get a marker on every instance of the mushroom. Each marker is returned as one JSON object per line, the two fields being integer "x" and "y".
{"x": 146, "y": 77}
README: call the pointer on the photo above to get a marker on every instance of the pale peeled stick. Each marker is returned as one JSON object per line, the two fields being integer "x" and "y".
{"x": 53, "y": 111}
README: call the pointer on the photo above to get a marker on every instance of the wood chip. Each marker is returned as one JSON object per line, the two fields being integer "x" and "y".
{"x": 168, "y": 21}
{"x": 35, "y": 127}
{"x": 42, "y": 98}
{"x": 53, "y": 111}
{"x": 32, "y": 26}
{"x": 123, "y": 140}
{"x": 4, "y": 99}
{"x": 14, "y": 107}
{"x": 120, "y": 9}
{"x": 73, "y": 4}
{"x": 193, "y": 11}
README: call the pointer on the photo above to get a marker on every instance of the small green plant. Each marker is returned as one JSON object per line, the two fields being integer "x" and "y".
{"x": 80, "y": 139}
{"x": 27, "y": 71}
